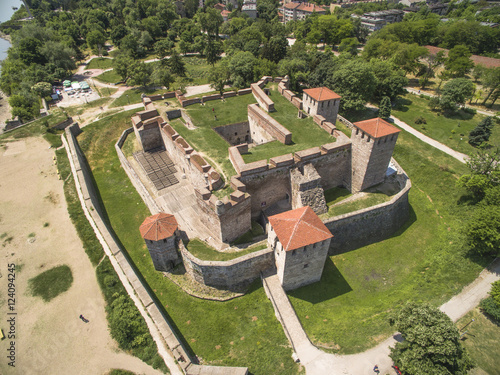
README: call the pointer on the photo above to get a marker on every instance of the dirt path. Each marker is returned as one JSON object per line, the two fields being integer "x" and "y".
{"x": 51, "y": 339}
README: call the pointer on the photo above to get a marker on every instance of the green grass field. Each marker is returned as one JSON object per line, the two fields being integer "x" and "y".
{"x": 452, "y": 130}
{"x": 240, "y": 332}
{"x": 305, "y": 133}
{"x": 100, "y": 63}
{"x": 481, "y": 341}
{"x": 109, "y": 77}
{"x": 133, "y": 96}
{"x": 51, "y": 283}
{"x": 424, "y": 261}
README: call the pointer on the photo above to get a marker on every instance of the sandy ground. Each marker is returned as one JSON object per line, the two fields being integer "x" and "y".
{"x": 50, "y": 337}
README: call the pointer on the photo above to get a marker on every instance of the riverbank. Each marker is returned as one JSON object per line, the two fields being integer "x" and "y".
{"x": 5, "y": 37}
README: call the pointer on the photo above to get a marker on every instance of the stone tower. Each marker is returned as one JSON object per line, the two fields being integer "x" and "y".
{"x": 300, "y": 242}
{"x": 373, "y": 142}
{"x": 321, "y": 101}
{"x": 160, "y": 232}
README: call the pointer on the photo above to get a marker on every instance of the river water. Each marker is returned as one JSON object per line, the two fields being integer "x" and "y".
{"x": 6, "y": 12}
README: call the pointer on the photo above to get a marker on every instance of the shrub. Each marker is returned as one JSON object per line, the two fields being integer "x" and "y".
{"x": 490, "y": 308}
{"x": 420, "y": 120}
{"x": 471, "y": 111}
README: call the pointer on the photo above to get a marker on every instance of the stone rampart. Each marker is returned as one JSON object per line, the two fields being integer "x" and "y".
{"x": 245, "y": 91}
{"x": 270, "y": 125}
{"x": 207, "y": 98}
{"x": 235, "y": 134}
{"x": 288, "y": 94}
{"x": 229, "y": 94}
{"x": 63, "y": 124}
{"x": 264, "y": 101}
{"x": 232, "y": 274}
{"x": 185, "y": 102}
{"x": 372, "y": 224}
{"x": 297, "y": 102}
{"x": 173, "y": 114}
{"x": 345, "y": 121}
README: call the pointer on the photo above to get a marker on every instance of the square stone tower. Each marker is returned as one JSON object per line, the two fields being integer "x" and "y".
{"x": 160, "y": 232}
{"x": 373, "y": 143}
{"x": 300, "y": 242}
{"x": 321, "y": 101}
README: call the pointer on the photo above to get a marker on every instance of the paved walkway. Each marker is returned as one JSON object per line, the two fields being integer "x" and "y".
{"x": 318, "y": 362}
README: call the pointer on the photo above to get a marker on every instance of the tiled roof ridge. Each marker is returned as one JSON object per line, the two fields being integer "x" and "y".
{"x": 298, "y": 221}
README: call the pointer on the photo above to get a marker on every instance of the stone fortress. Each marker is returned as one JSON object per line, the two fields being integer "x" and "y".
{"x": 285, "y": 194}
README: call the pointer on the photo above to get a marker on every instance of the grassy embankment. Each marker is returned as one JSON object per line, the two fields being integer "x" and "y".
{"x": 240, "y": 332}
{"x": 51, "y": 283}
{"x": 451, "y": 129}
{"x": 424, "y": 261}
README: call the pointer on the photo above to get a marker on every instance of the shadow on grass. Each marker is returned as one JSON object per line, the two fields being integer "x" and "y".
{"x": 403, "y": 104}
{"x": 331, "y": 285}
{"x": 375, "y": 237}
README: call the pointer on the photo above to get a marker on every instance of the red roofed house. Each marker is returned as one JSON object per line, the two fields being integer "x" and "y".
{"x": 373, "y": 142}
{"x": 300, "y": 242}
{"x": 321, "y": 101}
{"x": 294, "y": 11}
{"x": 159, "y": 232}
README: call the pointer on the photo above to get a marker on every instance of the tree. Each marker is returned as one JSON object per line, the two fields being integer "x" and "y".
{"x": 241, "y": 69}
{"x": 484, "y": 172}
{"x": 176, "y": 64}
{"x": 163, "y": 48}
{"x": 483, "y": 230}
{"x": 122, "y": 64}
{"x": 431, "y": 342}
{"x": 456, "y": 92}
{"x": 140, "y": 73}
{"x": 275, "y": 48}
{"x": 162, "y": 76}
{"x": 491, "y": 81}
{"x": 385, "y": 108}
{"x": 218, "y": 77}
{"x": 95, "y": 41}
{"x": 24, "y": 106}
{"x": 458, "y": 62}
{"x": 42, "y": 89}
{"x": 432, "y": 62}
{"x": 482, "y": 132}
{"x": 349, "y": 45}
{"x": 213, "y": 49}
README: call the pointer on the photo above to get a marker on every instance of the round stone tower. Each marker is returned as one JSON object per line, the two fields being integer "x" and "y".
{"x": 160, "y": 233}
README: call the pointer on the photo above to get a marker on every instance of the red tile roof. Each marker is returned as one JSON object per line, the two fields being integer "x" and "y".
{"x": 225, "y": 13}
{"x": 322, "y": 93}
{"x": 488, "y": 62}
{"x": 158, "y": 227}
{"x": 292, "y": 5}
{"x": 307, "y": 7}
{"x": 298, "y": 228}
{"x": 376, "y": 127}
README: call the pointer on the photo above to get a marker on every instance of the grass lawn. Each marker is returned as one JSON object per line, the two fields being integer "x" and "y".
{"x": 481, "y": 341}
{"x": 205, "y": 252}
{"x": 78, "y": 110}
{"x": 51, "y": 283}
{"x": 109, "y": 77}
{"x": 240, "y": 332}
{"x": 206, "y": 140}
{"x": 305, "y": 133}
{"x": 197, "y": 71}
{"x": 133, "y": 96}
{"x": 424, "y": 261}
{"x": 335, "y": 195}
{"x": 100, "y": 63}
{"x": 452, "y": 130}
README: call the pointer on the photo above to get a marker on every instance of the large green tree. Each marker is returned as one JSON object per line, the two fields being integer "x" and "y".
{"x": 458, "y": 62}
{"x": 431, "y": 343}
{"x": 456, "y": 92}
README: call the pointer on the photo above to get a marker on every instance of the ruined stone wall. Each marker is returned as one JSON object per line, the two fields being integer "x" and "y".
{"x": 258, "y": 118}
{"x": 232, "y": 274}
{"x": 207, "y": 98}
{"x": 334, "y": 167}
{"x": 264, "y": 101}
{"x": 235, "y": 134}
{"x": 307, "y": 190}
{"x": 370, "y": 158}
{"x": 372, "y": 224}
{"x": 149, "y": 134}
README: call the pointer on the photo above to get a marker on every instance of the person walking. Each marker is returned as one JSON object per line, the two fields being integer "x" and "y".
{"x": 376, "y": 370}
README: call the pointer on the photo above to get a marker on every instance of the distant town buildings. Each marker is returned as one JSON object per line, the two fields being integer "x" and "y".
{"x": 250, "y": 8}
{"x": 374, "y": 21}
{"x": 294, "y": 11}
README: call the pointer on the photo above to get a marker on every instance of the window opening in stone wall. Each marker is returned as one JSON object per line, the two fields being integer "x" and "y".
{"x": 306, "y": 265}
{"x": 164, "y": 240}
{"x": 293, "y": 252}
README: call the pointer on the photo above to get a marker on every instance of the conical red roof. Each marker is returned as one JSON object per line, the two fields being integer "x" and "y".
{"x": 298, "y": 228}
{"x": 158, "y": 227}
